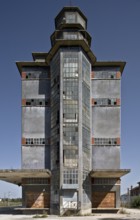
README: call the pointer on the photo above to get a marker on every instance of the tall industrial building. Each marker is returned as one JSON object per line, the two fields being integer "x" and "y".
{"x": 70, "y": 124}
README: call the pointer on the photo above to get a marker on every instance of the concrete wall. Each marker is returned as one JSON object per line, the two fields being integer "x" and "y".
{"x": 38, "y": 89}
{"x": 106, "y": 157}
{"x": 35, "y": 122}
{"x": 106, "y": 118}
{"x": 36, "y": 157}
{"x": 106, "y": 122}
{"x": 105, "y": 88}
{"x": 33, "y": 157}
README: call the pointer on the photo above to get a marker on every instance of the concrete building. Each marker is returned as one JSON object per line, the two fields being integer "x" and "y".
{"x": 70, "y": 124}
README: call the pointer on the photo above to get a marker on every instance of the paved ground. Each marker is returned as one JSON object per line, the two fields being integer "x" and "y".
{"x": 132, "y": 214}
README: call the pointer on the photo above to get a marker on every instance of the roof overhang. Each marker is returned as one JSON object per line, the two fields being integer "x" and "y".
{"x": 48, "y": 56}
{"x": 119, "y": 64}
{"x": 71, "y": 26}
{"x": 22, "y": 64}
{"x": 37, "y": 55}
{"x": 84, "y": 32}
{"x": 71, "y": 43}
{"x": 15, "y": 176}
{"x": 99, "y": 173}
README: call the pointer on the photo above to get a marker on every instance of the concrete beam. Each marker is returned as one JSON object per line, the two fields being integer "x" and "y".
{"x": 15, "y": 176}
{"x": 109, "y": 173}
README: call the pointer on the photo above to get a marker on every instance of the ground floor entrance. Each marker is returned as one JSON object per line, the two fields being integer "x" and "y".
{"x": 37, "y": 200}
{"x": 103, "y": 200}
{"x": 36, "y": 193}
{"x": 100, "y": 190}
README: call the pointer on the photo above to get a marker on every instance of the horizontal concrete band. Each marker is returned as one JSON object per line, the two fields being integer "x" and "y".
{"x": 109, "y": 173}
{"x": 15, "y": 176}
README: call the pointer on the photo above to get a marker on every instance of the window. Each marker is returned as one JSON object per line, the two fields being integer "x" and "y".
{"x": 34, "y": 181}
{"x": 70, "y": 135}
{"x": 70, "y": 176}
{"x": 104, "y": 181}
{"x": 70, "y": 35}
{"x": 105, "y": 102}
{"x": 37, "y": 102}
{"x": 37, "y": 141}
{"x": 70, "y": 158}
{"x": 105, "y": 72}
{"x": 105, "y": 141}
{"x": 70, "y": 17}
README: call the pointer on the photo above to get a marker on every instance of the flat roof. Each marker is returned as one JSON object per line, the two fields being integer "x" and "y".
{"x": 15, "y": 176}
{"x": 53, "y": 50}
{"x": 108, "y": 173}
{"x": 72, "y": 43}
{"x": 36, "y": 55}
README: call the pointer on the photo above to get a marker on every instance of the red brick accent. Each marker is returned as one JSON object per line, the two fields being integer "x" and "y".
{"x": 118, "y": 101}
{"x": 118, "y": 141}
{"x": 92, "y": 75}
{"x": 23, "y": 102}
{"x": 23, "y": 140}
{"x": 23, "y": 74}
{"x": 92, "y": 101}
{"x": 118, "y": 75}
{"x": 92, "y": 140}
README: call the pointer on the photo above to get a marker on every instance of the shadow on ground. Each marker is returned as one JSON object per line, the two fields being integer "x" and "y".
{"x": 9, "y": 210}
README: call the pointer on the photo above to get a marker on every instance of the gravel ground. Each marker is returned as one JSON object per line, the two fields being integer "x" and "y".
{"x": 133, "y": 214}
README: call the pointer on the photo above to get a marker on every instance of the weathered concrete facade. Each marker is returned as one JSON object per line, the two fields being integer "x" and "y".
{"x": 106, "y": 117}
{"x": 81, "y": 91}
{"x": 71, "y": 123}
{"x": 36, "y": 115}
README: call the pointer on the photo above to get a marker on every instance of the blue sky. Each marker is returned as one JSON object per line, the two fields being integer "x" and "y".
{"x": 26, "y": 26}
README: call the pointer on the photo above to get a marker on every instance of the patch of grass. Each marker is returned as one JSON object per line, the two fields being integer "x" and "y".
{"x": 136, "y": 202}
{"x": 89, "y": 214}
{"x": 40, "y": 216}
{"x": 73, "y": 213}
{"x": 10, "y": 203}
{"x": 122, "y": 211}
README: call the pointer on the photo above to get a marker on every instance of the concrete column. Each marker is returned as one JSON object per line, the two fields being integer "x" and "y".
{"x": 80, "y": 154}
{"x": 61, "y": 132}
